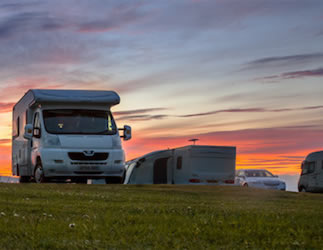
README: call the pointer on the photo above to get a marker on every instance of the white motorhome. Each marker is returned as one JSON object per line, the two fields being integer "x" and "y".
{"x": 186, "y": 165}
{"x": 67, "y": 134}
{"x": 311, "y": 179}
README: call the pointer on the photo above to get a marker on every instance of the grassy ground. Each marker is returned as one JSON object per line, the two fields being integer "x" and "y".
{"x": 162, "y": 216}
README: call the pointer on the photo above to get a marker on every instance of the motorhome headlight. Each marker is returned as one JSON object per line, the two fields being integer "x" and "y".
{"x": 52, "y": 140}
{"x": 116, "y": 142}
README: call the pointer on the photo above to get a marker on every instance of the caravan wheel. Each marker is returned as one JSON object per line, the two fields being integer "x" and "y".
{"x": 113, "y": 180}
{"x": 39, "y": 174}
{"x": 24, "y": 179}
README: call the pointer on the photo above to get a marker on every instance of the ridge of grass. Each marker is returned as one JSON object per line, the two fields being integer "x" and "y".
{"x": 57, "y": 216}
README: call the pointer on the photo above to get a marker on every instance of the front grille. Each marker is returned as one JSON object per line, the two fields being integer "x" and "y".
{"x": 79, "y": 156}
{"x": 88, "y": 172}
{"x": 88, "y": 163}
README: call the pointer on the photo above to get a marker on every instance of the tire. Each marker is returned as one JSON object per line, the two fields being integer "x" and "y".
{"x": 302, "y": 189}
{"x": 24, "y": 179}
{"x": 113, "y": 180}
{"x": 80, "y": 180}
{"x": 245, "y": 185}
{"x": 39, "y": 176}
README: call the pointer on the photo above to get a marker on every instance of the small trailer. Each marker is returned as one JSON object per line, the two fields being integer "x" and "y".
{"x": 311, "y": 179}
{"x": 186, "y": 165}
{"x": 67, "y": 134}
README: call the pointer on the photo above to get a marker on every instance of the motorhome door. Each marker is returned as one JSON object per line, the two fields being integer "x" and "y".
{"x": 160, "y": 171}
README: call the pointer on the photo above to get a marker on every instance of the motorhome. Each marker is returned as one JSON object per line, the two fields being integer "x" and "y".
{"x": 193, "y": 164}
{"x": 67, "y": 134}
{"x": 311, "y": 179}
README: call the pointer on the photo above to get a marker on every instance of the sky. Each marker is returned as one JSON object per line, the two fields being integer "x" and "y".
{"x": 228, "y": 72}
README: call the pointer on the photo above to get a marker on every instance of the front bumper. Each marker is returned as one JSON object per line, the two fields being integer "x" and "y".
{"x": 57, "y": 163}
{"x": 280, "y": 186}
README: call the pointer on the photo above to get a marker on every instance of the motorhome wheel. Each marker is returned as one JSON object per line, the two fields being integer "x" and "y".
{"x": 24, "y": 179}
{"x": 39, "y": 174}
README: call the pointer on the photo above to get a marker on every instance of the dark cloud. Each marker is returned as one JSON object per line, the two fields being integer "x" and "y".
{"x": 142, "y": 117}
{"x": 19, "y": 6}
{"x": 292, "y": 75}
{"x": 250, "y": 110}
{"x": 118, "y": 17}
{"x": 303, "y": 73}
{"x": 28, "y": 21}
{"x": 140, "y": 114}
{"x": 137, "y": 111}
{"x": 284, "y": 60}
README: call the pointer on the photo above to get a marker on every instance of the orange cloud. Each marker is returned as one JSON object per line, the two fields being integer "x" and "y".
{"x": 278, "y": 149}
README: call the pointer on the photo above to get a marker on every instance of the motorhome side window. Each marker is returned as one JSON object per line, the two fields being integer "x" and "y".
{"x": 308, "y": 167}
{"x": 179, "y": 162}
{"x": 311, "y": 167}
{"x": 36, "y": 121}
{"x": 16, "y": 129}
{"x": 74, "y": 121}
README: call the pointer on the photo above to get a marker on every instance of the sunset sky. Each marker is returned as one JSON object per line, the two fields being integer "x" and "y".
{"x": 229, "y": 72}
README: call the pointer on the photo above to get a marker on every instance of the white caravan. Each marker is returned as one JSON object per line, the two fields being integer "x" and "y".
{"x": 67, "y": 134}
{"x": 186, "y": 165}
{"x": 311, "y": 179}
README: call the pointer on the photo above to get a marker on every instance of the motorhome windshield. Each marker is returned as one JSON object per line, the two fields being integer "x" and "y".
{"x": 75, "y": 121}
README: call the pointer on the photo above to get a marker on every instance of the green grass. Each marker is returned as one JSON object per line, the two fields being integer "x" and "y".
{"x": 57, "y": 216}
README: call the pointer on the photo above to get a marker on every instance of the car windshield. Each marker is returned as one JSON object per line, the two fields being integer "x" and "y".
{"x": 75, "y": 121}
{"x": 258, "y": 173}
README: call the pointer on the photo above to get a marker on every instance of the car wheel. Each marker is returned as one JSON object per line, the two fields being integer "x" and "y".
{"x": 39, "y": 174}
{"x": 302, "y": 189}
{"x": 245, "y": 185}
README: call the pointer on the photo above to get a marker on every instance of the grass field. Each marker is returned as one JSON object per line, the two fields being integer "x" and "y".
{"x": 162, "y": 216}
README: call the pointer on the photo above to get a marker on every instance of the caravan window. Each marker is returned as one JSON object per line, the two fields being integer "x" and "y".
{"x": 179, "y": 162}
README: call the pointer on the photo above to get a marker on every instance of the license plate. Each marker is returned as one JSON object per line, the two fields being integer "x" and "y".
{"x": 89, "y": 168}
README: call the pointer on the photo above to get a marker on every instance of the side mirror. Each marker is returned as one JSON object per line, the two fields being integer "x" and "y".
{"x": 126, "y": 132}
{"x": 28, "y": 134}
{"x": 36, "y": 132}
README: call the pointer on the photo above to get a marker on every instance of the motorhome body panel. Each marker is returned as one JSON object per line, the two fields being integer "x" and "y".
{"x": 75, "y": 96}
{"x": 55, "y": 158}
{"x": 311, "y": 178}
{"x": 21, "y": 116}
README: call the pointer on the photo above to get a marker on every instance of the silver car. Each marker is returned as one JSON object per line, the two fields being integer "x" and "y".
{"x": 259, "y": 178}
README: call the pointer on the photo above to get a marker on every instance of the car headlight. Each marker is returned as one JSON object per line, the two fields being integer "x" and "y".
{"x": 52, "y": 141}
